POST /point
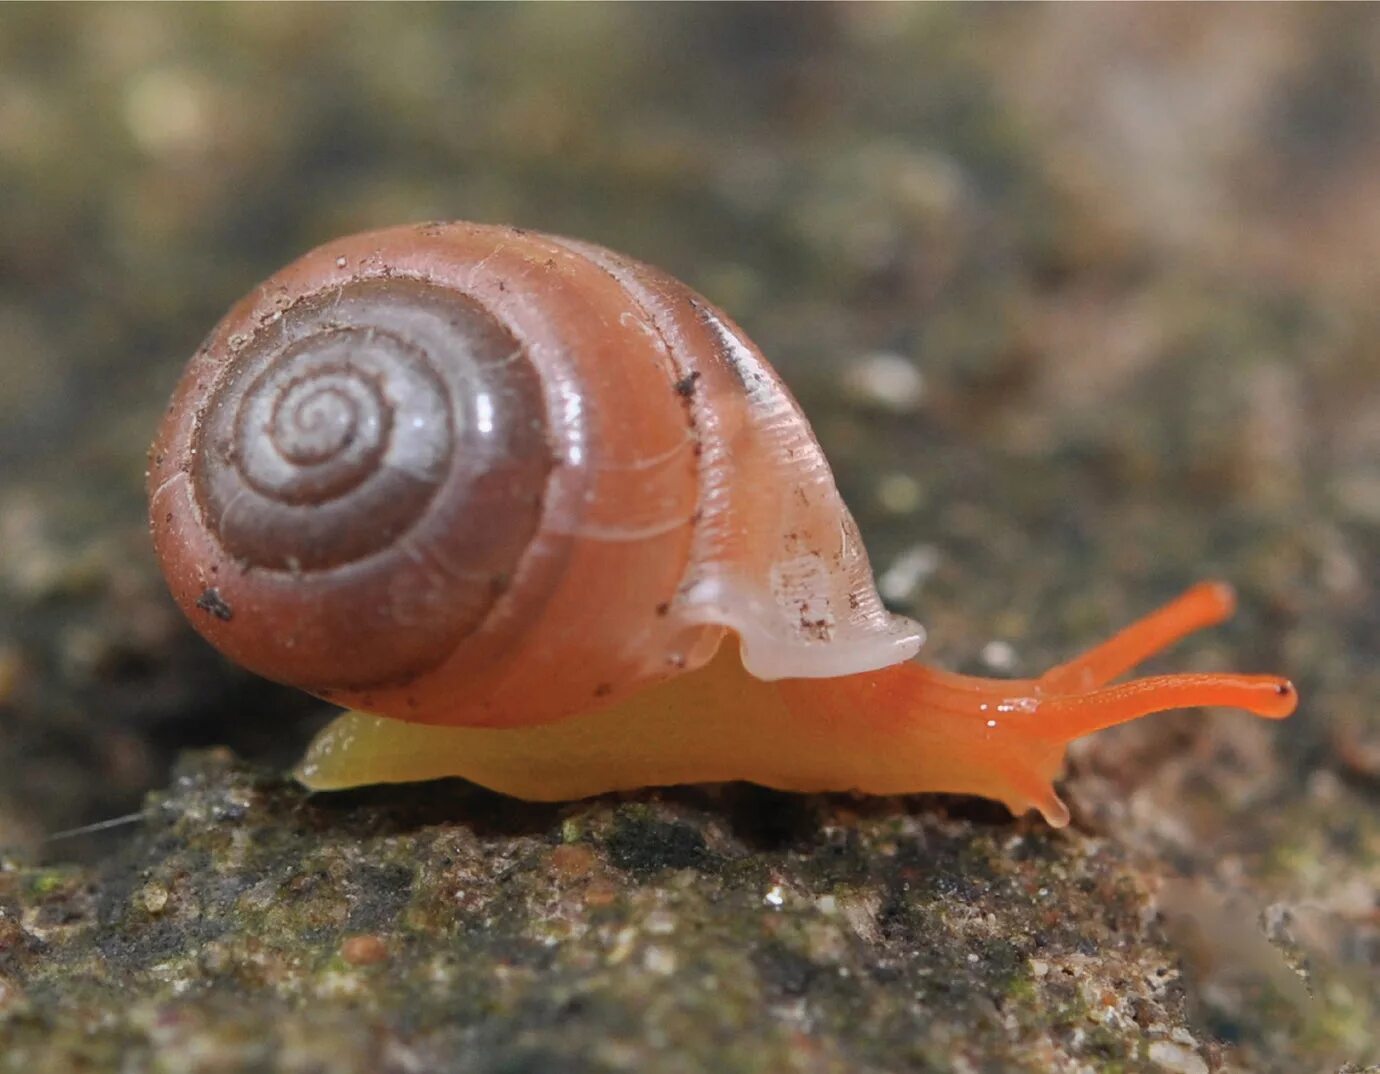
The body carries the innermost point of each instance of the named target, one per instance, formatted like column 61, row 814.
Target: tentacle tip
column 1269, row 696
column 1222, row 595
column 1282, row 701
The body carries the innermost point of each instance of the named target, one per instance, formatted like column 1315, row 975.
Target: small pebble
column 153, row 898
column 1177, row 1058
column 365, row 950
column 659, row 960
column 168, row 112
column 600, row 893
column 902, row 580
column 885, row 381
column 572, row 861
column 659, row 923
column 900, row 494
column 999, row 655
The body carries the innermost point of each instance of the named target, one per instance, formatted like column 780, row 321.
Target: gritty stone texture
column 447, row 928
column 1130, row 252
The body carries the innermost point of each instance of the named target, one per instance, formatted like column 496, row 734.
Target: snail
column 543, row 517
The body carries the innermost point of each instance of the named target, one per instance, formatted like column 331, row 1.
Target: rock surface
column 250, row 926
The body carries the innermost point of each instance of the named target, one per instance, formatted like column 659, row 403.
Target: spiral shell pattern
column 388, row 432
column 326, row 441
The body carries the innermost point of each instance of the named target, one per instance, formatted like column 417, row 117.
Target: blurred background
column 1081, row 301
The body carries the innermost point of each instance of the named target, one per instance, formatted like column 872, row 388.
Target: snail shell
column 474, row 475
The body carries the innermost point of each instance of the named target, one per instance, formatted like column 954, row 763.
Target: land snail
column 543, row 517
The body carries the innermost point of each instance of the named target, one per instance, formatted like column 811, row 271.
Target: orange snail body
column 508, row 495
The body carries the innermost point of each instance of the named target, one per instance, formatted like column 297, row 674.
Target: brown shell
column 467, row 474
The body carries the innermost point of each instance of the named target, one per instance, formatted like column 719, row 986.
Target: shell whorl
column 379, row 447
column 326, row 439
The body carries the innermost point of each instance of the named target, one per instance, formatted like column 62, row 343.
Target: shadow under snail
column 546, row 519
